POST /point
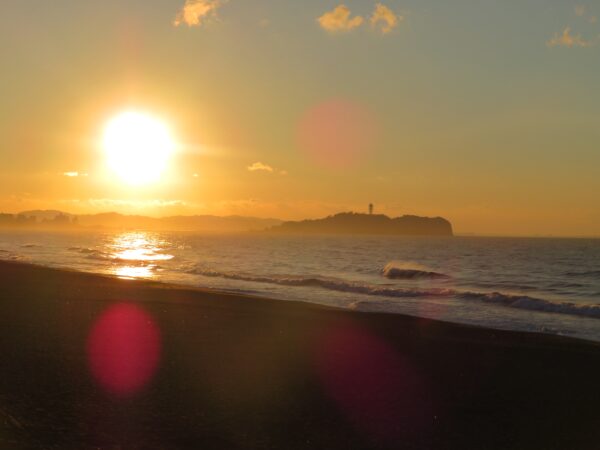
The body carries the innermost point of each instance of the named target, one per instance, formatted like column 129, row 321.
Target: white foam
column 508, row 300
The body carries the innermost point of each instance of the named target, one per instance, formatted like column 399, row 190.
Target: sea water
column 542, row 285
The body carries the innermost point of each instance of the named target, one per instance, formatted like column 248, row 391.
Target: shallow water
column 539, row 285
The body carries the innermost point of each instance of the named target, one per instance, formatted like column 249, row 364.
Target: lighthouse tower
column 370, row 208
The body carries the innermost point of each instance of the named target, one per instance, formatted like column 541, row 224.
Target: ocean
column 541, row 285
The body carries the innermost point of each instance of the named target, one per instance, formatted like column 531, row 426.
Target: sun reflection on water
column 134, row 272
column 135, row 254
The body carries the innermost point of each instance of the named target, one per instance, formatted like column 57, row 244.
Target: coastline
column 237, row 371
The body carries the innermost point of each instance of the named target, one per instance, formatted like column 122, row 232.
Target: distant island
column 356, row 223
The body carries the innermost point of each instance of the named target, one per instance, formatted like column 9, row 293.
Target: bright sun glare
column 137, row 147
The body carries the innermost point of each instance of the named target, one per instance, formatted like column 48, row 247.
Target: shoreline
column 224, row 370
column 238, row 293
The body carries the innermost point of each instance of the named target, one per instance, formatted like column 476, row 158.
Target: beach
column 93, row 361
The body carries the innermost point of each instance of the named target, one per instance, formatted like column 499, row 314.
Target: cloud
column 566, row 39
column 74, row 174
column 195, row 12
column 108, row 203
column 260, row 166
column 580, row 10
column 384, row 18
column 339, row 20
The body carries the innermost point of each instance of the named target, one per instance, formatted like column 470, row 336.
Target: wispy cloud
column 384, row 18
column 260, row 166
column 108, row 203
column 569, row 40
column 339, row 20
column 580, row 10
column 74, row 174
column 195, row 12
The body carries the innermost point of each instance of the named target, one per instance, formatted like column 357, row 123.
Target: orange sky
column 477, row 114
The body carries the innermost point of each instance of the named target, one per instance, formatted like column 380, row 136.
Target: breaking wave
column 91, row 253
column 508, row 300
column 535, row 304
column 409, row 271
column 10, row 256
column 333, row 284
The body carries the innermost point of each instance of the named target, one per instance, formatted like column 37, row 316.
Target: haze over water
column 537, row 285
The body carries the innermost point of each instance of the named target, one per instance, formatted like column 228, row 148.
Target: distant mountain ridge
column 205, row 223
column 44, row 214
column 356, row 223
column 111, row 220
column 341, row 223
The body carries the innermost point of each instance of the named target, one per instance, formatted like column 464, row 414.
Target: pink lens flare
column 124, row 349
column 337, row 133
column 378, row 389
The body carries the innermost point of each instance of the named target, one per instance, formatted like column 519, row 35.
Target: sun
column 138, row 147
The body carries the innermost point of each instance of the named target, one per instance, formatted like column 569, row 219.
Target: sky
column 486, row 113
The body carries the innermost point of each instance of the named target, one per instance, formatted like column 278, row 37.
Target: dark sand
column 242, row 372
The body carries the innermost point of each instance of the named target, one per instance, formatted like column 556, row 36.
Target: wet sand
column 89, row 361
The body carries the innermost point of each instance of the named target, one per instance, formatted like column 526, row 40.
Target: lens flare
column 377, row 388
column 337, row 133
column 124, row 349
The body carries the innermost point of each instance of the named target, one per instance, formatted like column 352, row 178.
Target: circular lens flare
column 378, row 388
column 124, row 349
column 337, row 133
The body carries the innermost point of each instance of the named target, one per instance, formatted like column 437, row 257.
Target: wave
column 409, row 271
column 91, row 253
column 585, row 273
column 535, row 304
column 10, row 256
column 565, row 284
column 511, row 301
column 82, row 249
column 31, row 245
column 333, row 284
column 97, row 254
column 499, row 284
column 508, row 300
